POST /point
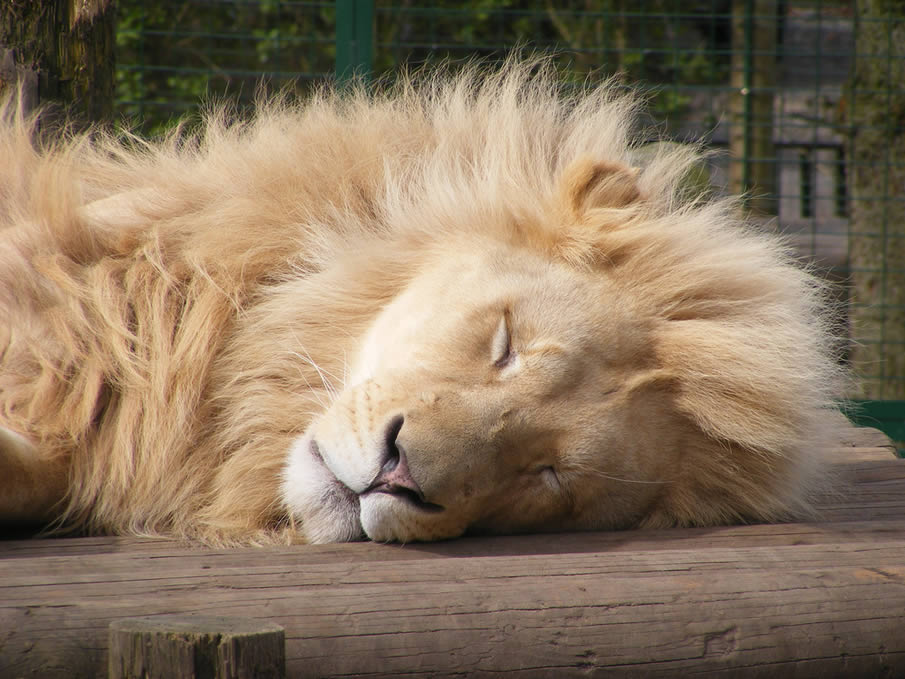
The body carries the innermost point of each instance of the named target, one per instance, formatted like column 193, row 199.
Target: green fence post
column 354, row 38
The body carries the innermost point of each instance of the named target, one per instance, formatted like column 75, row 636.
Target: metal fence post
column 354, row 38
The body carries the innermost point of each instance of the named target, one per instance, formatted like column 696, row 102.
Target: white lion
column 452, row 307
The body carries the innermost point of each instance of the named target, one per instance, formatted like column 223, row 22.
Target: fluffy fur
column 219, row 335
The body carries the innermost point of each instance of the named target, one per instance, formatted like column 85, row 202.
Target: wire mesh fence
column 173, row 54
column 804, row 99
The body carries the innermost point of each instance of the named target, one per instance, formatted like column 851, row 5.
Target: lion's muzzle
column 395, row 477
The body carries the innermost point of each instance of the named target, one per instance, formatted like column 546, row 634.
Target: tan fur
column 210, row 334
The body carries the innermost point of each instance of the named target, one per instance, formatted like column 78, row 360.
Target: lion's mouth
column 395, row 478
column 315, row 452
column 338, row 486
column 408, row 496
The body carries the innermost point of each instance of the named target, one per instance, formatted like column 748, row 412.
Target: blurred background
column 803, row 100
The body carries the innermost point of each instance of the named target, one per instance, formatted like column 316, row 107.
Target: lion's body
column 201, row 338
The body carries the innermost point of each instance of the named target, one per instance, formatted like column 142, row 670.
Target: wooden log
column 822, row 599
column 195, row 647
column 830, row 605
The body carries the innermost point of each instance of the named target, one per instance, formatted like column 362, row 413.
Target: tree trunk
column 68, row 46
column 752, row 168
column 876, row 118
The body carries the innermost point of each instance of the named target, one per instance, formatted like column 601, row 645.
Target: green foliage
column 175, row 53
column 667, row 45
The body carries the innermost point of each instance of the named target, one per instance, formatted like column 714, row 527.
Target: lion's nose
column 394, row 475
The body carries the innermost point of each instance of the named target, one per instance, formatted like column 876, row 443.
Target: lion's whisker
column 604, row 475
column 322, row 373
column 312, row 392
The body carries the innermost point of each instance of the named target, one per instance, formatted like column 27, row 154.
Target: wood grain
column 195, row 647
column 814, row 599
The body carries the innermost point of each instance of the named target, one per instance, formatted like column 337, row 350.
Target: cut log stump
column 196, row 647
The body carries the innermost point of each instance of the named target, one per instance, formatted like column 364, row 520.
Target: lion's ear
column 587, row 184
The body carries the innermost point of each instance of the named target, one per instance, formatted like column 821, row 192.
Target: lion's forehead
column 450, row 312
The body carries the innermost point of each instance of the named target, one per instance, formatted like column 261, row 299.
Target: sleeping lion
column 455, row 306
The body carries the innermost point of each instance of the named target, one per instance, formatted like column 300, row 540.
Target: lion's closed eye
column 501, row 353
column 549, row 477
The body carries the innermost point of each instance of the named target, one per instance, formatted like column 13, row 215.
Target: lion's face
column 496, row 393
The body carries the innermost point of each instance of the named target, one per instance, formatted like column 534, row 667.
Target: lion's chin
column 388, row 518
column 327, row 509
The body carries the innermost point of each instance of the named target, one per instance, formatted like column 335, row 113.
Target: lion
column 458, row 305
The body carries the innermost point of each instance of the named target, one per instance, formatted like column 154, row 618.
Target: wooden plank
column 865, row 437
column 546, row 609
column 869, row 485
column 800, row 599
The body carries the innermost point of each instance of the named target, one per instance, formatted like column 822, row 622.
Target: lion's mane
column 142, row 288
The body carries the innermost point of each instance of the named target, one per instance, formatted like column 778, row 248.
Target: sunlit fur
column 174, row 314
